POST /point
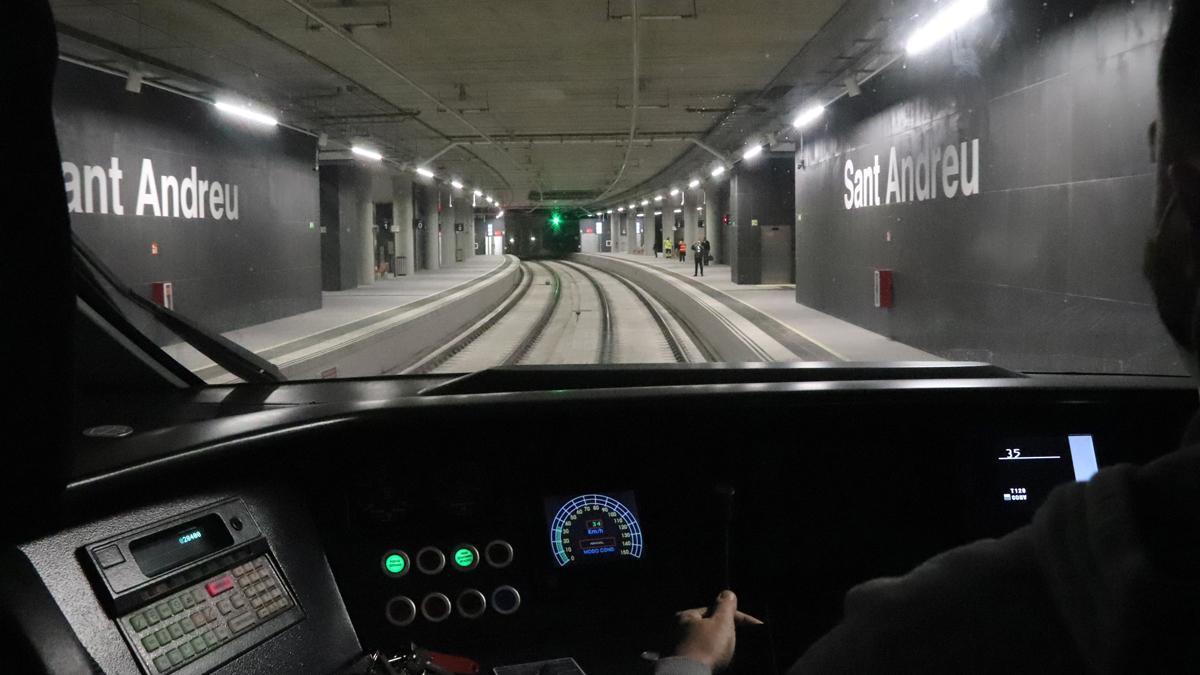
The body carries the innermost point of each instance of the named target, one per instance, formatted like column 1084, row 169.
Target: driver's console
column 545, row 532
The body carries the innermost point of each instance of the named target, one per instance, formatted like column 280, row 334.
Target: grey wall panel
column 1041, row 269
column 226, row 273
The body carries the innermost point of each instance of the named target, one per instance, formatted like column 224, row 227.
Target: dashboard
column 564, row 527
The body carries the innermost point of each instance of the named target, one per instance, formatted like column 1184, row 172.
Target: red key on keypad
column 219, row 586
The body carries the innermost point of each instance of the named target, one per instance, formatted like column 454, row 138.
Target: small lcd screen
column 179, row 545
column 1028, row 468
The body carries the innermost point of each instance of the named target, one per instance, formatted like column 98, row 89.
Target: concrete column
column 432, row 250
column 690, row 218
column 446, row 221
column 402, row 216
column 712, row 224
column 463, row 213
column 366, row 229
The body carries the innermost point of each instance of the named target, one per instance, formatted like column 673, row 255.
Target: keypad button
column 175, row 657
column 210, row 638
column 188, row 625
column 219, row 586
column 177, row 605
column 256, row 602
column 152, row 616
column 198, row 619
column 264, row 612
column 164, row 610
column 150, row 642
column 163, row 635
column 198, row 594
column 242, row 621
column 138, row 622
column 239, row 601
column 162, row 663
column 199, row 644
column 187, row 650
column 222, row 633
column 210, row 613
column 187, row 600
column 176, row 631
column 225, row 606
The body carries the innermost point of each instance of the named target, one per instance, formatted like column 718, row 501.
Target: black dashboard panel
column 791, row 492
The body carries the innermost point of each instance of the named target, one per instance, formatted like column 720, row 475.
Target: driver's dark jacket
column 1105, row 579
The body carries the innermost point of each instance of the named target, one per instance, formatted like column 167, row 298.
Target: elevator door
column 778, row 259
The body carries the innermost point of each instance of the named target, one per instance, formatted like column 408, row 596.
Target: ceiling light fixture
column 425, row 172
column 718, row 170
column 456, row 185
column 658, row 198
column 246, row 113
column 944, row 23
column 500, row 213
column 620, row 209
column 490, row 200
column 674, row 191
column 658, row 213
column 808, row 116
column 695, row 183
column 645, row 202
column 752, row 152
column 477, row 193
column 366, row 152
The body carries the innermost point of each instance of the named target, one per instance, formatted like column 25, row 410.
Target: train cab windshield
column 392, row 337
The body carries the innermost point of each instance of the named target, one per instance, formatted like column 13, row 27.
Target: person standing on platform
column 682, row 251
column 698, row 250
column 668, row 249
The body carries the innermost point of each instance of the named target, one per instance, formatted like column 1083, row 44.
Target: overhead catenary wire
column 633, row 108
column 346, row 37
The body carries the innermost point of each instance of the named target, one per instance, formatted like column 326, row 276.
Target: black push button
column 109, row 555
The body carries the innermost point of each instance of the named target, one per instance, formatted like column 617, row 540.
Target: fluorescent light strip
column 694, row 184
column 720, row 169
column 752, row 152
column 456, row 185
column 363, row 152
column 425, row 172
column 246, row 113
column 808, row 116
column 944, row 23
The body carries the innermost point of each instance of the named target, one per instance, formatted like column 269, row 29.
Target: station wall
column 242, row 253
column 1006, row 178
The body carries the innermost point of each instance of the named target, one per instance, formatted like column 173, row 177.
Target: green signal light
column 464, row 557
column 394, row 563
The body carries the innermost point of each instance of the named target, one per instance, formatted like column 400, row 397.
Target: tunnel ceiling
column 549, row 80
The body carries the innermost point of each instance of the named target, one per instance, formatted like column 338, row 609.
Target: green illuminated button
column 395, row 563
column 465, row 557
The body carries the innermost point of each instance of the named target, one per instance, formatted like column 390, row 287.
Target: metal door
column 776, row 251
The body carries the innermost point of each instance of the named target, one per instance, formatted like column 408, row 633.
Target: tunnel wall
column 226, row 272
column 1039, row 268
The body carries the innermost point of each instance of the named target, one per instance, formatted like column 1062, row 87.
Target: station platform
column 773, row 309
column 343, row 314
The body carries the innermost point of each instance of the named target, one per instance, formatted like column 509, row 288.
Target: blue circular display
column 594, row 527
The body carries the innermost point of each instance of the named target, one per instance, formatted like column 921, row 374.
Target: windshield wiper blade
column 224, row 352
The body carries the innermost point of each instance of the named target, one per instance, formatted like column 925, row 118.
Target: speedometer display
column 594, row 527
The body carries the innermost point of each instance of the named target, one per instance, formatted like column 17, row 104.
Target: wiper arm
column 224, row 352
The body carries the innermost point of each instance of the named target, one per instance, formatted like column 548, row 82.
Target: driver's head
column 1173, row 256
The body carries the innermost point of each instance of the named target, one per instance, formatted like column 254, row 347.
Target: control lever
column 725, row 495
column 418, row 661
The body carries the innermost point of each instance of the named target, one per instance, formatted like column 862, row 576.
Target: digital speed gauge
column 594, row 527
